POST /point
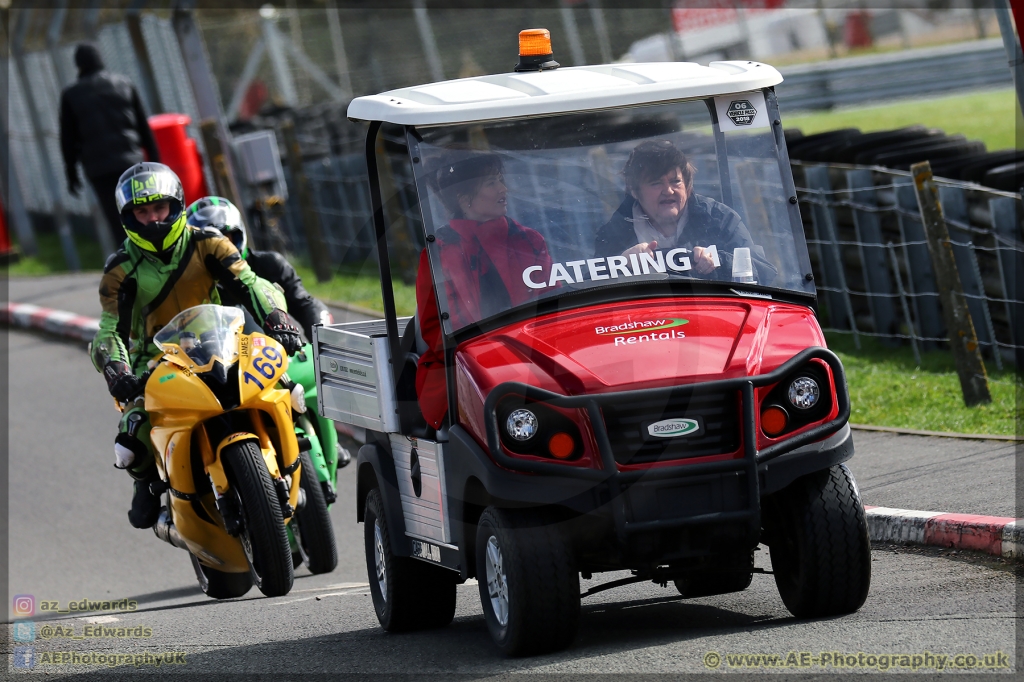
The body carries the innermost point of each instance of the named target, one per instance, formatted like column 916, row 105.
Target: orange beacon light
column 535, row 52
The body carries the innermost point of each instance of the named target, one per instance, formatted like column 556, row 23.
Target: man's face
column 152, row 213
column 663, row 199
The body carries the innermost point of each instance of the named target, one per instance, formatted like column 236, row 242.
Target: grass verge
column 358, row 287
column 990, row 116
column 887, row 388
column 50, row 257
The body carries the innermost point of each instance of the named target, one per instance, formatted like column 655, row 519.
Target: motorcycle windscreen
column 207, row 334
column 523, row 210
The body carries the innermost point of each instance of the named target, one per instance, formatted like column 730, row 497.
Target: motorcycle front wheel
column 263, row 534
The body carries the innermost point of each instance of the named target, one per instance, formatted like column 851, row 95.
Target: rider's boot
column 145, row 505
column 132, row 453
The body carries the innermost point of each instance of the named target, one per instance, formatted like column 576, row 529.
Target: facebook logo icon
column 24, row 631
column 24, row 657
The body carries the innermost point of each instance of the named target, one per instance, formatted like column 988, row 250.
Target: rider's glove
column 121, row 383
column 283, row 328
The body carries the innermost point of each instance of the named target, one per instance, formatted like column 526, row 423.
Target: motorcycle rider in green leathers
column 163, row 267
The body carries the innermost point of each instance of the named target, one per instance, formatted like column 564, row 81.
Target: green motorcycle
column 309, row 541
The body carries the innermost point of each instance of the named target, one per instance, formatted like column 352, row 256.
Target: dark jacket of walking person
column 103, row 125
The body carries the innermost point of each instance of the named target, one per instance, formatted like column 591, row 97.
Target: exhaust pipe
column 165, row 530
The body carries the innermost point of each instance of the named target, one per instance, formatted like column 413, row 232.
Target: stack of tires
column 951, row 156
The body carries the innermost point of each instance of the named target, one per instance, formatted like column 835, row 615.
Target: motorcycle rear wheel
column 314, row 532
column 218, row 584
column 263, row 534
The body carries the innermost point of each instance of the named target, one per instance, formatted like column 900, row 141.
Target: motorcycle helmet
column 147, row 183
column 220, row 213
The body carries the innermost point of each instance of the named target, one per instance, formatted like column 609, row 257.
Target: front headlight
column 522, row 425
column 804, row 393
column 298, row 399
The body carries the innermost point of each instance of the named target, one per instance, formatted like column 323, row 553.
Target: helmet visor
column 145, row 188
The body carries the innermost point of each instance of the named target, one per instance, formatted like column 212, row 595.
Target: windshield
column 518, row 211
column 204, row 332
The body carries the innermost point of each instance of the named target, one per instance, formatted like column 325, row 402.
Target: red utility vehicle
column 635, row 376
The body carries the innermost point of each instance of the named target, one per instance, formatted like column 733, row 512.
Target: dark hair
column 654, row 158
column 88, row 59
column 462, row 174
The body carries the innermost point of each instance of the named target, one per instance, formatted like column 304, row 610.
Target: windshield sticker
column 613, row 267
column 742, row 112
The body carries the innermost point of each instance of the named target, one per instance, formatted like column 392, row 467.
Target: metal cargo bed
column 354, row 383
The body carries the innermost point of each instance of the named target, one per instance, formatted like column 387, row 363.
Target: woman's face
column 488, row 203
column 663, row 199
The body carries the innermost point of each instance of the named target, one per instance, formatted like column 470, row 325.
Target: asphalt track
column 70, row 540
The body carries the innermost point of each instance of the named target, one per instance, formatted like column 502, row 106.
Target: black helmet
column 220, row 213
column 146, row 183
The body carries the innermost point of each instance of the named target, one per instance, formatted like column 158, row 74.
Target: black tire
column 311, row 525
column 408, row 594
column 820, row 549
column 218, row 584
column 263, row 534
column 529, row 585
column 732, row 576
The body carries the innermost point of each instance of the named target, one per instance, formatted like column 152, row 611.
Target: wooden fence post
column 962, row 338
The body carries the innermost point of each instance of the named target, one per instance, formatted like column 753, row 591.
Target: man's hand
column 74, row 184
column 702, row 261
column 642, row 247
column 121, row 383
column 283, row 328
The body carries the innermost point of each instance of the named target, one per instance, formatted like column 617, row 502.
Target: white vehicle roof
column 578, row 88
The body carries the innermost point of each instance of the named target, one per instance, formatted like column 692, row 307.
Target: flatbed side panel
column 425, row 510
column 353, row 378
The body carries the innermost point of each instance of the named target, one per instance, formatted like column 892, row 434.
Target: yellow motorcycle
column 230, row 461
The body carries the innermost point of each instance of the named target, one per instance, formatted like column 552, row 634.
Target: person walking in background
column 102, row 124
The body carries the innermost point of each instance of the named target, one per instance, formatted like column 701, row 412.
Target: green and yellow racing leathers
column 140, row 294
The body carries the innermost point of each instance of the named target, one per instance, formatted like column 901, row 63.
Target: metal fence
column 872, row 266
column 911, row 73
column 48, row 72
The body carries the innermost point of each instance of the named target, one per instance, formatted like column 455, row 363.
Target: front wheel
column 314, row 533
column 408, row 594
column 218, row 584
column 529, row 586
column 263, row 534
column 820, row 549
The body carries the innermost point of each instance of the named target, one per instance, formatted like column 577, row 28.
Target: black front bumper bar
column 617, row 480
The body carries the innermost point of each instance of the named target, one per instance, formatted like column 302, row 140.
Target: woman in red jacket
column 483, row 255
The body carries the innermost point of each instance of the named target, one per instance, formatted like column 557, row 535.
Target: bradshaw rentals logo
column 632, row 333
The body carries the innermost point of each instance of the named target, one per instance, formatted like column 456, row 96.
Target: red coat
column 464, row 246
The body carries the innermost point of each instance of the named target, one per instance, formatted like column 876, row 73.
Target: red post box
column 179, row 151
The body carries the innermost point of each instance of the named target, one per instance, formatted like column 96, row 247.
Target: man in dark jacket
column 102, row 124
column 661, row 212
